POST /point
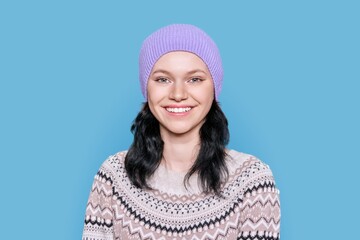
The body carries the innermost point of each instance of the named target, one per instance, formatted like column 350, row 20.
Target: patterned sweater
column 249, row 208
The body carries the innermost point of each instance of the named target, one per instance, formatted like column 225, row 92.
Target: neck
column 180, row 151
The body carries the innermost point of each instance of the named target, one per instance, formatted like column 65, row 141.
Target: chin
column 179, row 131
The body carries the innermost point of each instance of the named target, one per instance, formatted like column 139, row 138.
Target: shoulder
column 114, row 160
column 249, row 170
column 112, row 167
column 236, row 160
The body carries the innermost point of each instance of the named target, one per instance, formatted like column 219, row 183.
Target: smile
column 178, row 110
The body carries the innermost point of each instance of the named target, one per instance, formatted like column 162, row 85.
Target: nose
column 178, row 92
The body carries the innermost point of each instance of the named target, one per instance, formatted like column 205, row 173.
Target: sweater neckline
column 171, row 182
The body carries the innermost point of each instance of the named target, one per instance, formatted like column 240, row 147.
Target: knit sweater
column 248, row 209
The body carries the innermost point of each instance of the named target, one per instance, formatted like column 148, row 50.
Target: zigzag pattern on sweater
column 144, row 220
column 256, row 235
column 200, row 225
column 116, row 207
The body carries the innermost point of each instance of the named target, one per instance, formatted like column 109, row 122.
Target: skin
column 180, row 94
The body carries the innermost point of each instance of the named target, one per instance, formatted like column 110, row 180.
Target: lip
column 178, row 110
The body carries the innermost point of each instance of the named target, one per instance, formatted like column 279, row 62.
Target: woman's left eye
column 195, row 79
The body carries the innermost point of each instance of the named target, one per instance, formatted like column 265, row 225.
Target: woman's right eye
column 162, row 80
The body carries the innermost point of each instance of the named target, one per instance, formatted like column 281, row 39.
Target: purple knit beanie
column 180, row 37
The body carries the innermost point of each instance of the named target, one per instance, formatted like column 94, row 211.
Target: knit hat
column 180, row 37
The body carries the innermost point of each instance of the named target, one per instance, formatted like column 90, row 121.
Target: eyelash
column 191, row 80
column 197, row 79
column 162, row 80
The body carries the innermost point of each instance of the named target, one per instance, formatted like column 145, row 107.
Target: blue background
column 69, row 91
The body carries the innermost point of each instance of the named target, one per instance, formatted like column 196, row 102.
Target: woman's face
column 180, row 92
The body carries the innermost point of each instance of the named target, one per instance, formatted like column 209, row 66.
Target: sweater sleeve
column 260, row 208
column 99, row 214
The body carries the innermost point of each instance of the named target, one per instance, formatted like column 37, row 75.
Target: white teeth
column 178, row 110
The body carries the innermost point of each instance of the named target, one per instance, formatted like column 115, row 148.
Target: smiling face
column 180, row 93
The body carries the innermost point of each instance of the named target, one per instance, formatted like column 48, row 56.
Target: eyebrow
column 167, row 72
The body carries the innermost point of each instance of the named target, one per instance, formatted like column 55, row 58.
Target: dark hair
column 145, row 153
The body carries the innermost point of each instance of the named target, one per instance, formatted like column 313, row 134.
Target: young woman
column 178, row 180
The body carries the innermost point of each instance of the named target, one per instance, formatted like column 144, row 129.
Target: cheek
column 154, row 98
column 155, row 93
column 153, row 109
column 204, row 95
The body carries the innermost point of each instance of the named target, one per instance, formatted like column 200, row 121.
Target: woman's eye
column 162, row 80
column 195, row 79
